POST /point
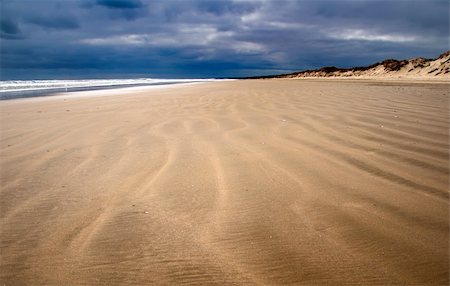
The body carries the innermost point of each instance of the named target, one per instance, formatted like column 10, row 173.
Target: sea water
column 10, row 89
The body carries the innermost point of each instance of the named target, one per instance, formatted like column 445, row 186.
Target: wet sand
column 245, row 182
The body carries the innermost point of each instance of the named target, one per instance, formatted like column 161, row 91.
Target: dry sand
column 245, row 182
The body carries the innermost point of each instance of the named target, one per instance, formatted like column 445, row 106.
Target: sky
column 50, row 39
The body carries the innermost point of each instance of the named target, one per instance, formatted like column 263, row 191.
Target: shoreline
column 121, row 90
column 103, row 92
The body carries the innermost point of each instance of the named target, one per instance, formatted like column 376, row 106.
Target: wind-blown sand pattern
column 246, row 182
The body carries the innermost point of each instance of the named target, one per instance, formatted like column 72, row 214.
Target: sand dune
column 245, row 182
column 437, row 69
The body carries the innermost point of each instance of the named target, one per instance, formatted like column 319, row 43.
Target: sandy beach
column 267, row 182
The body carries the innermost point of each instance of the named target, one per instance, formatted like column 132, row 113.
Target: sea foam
column 30, row 88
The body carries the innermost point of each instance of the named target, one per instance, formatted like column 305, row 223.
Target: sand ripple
column 247, row 182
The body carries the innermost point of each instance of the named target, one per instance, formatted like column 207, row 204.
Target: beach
column 266, row 182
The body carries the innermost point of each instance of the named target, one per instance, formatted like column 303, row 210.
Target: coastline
column 12, row 89
column 101, row 92
column 132, row 89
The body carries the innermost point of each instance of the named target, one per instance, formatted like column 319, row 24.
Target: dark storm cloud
column 120, row 4
column 128, row 10
column 222, row 7
column 9, row 30
column 421, row 15
column 9, row 27
column 54, row 22
column 180, row 38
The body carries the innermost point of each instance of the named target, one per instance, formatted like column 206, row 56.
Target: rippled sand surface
column 245, row 182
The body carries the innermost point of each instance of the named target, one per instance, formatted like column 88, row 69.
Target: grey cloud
column 54, row 22
column 412, row 15
column 9, row 30
column 11, row 36
column 129, row 10
column 207, row 38
column 219, row 8
column 9, row 27
column 120, row 4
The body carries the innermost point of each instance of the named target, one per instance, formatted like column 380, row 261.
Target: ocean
column 12, row 89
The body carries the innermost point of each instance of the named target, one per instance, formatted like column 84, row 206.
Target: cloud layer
column 221, row 38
